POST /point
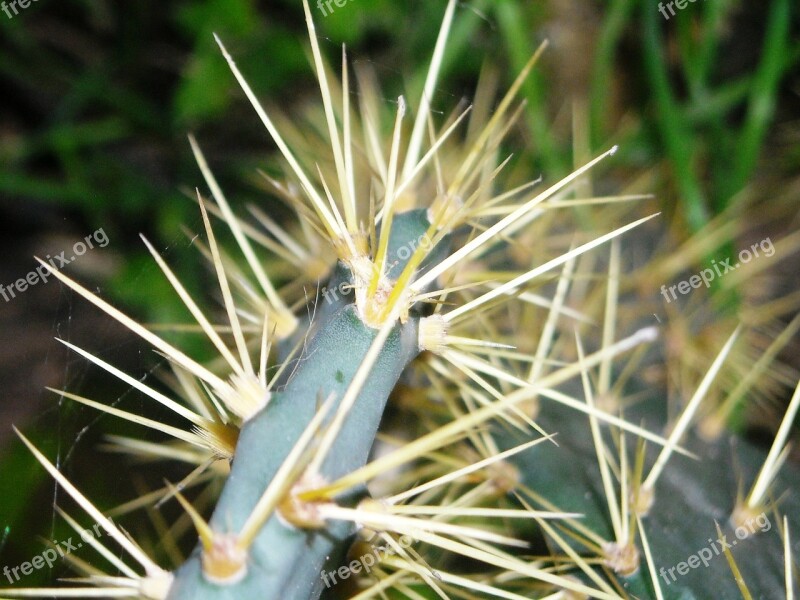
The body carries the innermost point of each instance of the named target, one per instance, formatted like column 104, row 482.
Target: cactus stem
column 351, row 394
column 282, row 490
column 297, row 470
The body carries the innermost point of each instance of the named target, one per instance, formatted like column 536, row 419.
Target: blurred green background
column 98, row 97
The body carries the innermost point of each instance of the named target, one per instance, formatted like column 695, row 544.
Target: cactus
column 499, row 479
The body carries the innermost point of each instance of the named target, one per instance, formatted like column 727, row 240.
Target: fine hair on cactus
column 441, row 394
